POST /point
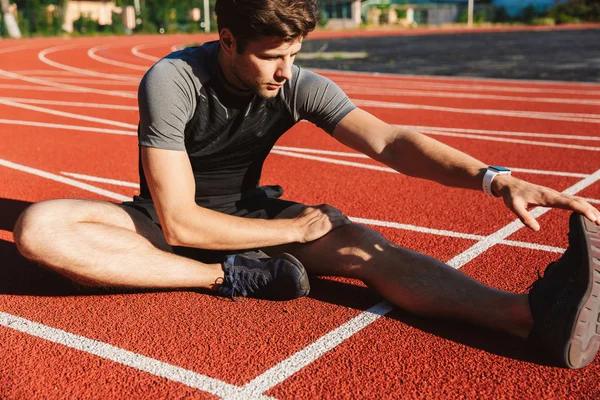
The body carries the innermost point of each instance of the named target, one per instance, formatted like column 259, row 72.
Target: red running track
column 68, row 117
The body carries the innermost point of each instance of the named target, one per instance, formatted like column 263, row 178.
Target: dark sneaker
column 256, row 275
column 565, row 303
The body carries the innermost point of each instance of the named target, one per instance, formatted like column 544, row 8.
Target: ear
column 227, row 41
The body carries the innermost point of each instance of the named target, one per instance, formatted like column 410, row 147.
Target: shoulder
column 193, row 66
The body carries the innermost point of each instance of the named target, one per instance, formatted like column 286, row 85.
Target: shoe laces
column 242, row 281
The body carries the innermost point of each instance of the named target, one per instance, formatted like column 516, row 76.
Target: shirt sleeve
column 166, row 102
column 321, row 101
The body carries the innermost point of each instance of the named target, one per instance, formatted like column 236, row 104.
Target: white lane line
column 300, row 152
column 135, row 50
column 101, row 180
column 70, row 127
column 287, row 368
column 430, row 78
column 514, row 226
column 449, row 87
column 365, row 221
column 593, row 201
column 333, row 161
column 324, row 152
column 312, row 352
column 42, row 56
column 49, row 72
column 92, row 81
column 66, row 181
column 92, row 54
column 71, row 103
column 505, row 113
column 460, row 95
column 67, row 114
column 46, row 82
column 104, row 350
column 120, row 356
column 16, row 48
column 37, row 88
column 515, row 141
column 532, row 246
column 501, row 133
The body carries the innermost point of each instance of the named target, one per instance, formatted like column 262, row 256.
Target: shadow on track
column 17, row 274
column 359, row 297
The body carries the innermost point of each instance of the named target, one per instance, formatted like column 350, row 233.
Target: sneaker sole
column 303, row 288
column 584, row 340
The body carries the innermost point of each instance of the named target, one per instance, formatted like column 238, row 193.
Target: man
column 208, row 118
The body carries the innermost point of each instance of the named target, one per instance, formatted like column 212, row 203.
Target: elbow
column 176, row 234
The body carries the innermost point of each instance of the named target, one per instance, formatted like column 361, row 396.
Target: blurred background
column 27, row 18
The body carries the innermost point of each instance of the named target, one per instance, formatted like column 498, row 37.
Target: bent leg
column 99, row 243
column 415, row 282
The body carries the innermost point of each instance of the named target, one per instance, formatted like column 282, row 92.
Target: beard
column 249, row 84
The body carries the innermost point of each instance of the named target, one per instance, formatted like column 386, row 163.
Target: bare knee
column 34, row 226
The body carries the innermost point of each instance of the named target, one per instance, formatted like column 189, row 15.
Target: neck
column 229, row 77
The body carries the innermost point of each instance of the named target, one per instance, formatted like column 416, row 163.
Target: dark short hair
column 250, row 19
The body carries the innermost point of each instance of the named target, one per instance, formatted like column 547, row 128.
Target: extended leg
column 412, row 281
column 102, row 244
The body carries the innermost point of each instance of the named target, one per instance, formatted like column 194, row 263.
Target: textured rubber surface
column 585, row 336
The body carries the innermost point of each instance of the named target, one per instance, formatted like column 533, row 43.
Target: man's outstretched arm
column 417, row 155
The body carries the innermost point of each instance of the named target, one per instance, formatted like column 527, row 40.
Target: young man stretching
column 208, row 118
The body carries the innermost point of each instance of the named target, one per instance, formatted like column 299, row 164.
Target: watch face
column 499, row 168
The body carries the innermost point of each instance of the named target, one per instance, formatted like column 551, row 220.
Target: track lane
column 52, row 371
column 409, row 357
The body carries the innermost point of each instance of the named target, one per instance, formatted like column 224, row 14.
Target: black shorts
column 262, row 202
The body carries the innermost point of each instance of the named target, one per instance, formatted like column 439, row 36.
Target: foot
column 565, row 303
column 256, row 275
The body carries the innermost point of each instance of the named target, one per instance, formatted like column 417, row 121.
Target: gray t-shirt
column 186, row 105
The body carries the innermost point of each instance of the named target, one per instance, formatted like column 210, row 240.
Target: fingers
column 525, row 217
column 574, row 203
column 317, row 221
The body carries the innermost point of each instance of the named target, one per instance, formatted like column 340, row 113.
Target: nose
column 284, row 71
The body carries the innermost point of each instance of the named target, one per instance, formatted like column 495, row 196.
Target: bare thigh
column 42, row 220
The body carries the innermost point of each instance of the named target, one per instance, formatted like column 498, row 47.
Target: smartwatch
column 489, row 176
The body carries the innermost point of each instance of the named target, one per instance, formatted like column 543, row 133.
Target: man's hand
column 518, row 195
column 315, row 222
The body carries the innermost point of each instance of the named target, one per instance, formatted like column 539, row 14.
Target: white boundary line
column 504, row 113
column 302, row 154
column 515, row 141
column 449, row 87
column 42, row 56
column 66, row 181
column 289, row 367
column 136, row 51
column 401, row 77
column 70, row 127
column 37, row 88
column 121, row 356
column 92, row 54
column 101, row 180
column 90, row 81
column 82, row 89
column 67, row 114
column 461, row 95
column 501, row 133
column 71, row 104
column 514, row 226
